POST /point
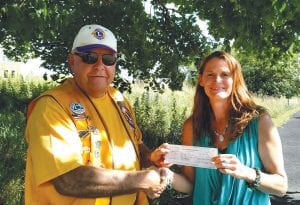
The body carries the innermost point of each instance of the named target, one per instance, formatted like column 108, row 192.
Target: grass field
column 281, row 109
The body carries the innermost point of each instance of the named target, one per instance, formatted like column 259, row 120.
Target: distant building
column 11, row 69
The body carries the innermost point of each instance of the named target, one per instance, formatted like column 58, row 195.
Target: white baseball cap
column 94, row 36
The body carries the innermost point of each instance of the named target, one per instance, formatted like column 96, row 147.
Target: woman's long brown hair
column 243, row 108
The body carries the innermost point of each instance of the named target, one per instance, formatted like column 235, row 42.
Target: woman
column 250, row 162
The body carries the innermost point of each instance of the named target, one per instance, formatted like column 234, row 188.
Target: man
column 84, row 146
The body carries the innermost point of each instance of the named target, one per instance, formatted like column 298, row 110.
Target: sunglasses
column 92, row 58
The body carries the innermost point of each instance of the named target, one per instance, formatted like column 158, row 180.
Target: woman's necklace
column 221, row 137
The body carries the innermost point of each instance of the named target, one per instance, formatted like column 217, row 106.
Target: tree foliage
column 153, row 46
column 282, row 79
column 260, row 27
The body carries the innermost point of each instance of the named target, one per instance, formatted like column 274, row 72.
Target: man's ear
column 70, row 59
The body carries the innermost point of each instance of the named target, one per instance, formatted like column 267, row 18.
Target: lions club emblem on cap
column 77, row 108
column 99, row 34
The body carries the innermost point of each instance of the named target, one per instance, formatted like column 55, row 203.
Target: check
column 191, row 156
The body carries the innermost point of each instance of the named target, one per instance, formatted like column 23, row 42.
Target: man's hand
column 157, row 182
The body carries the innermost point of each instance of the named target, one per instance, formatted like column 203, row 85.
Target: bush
column 12, row 156
column 15, row 95
column 159, row 120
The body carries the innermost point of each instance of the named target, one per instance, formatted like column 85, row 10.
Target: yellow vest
column 97, row 145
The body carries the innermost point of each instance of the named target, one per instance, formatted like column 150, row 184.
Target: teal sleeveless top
column 214, row 188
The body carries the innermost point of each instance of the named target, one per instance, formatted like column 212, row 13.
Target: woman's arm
column 187, row 139
column 274, row 181
column 178, row 181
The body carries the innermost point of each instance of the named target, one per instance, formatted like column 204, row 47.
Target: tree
column 266, row 28
column 280, row 79
column 154, row 46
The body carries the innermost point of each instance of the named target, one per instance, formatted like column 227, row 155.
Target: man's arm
column 91, row 182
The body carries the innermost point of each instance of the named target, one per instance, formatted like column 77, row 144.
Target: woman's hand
column 230, row 164
column 158, row 156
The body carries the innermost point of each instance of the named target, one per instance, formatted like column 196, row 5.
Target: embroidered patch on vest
column 126, row 114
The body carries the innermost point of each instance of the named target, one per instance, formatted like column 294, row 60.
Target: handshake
column 159, row 177
column 156, row 181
